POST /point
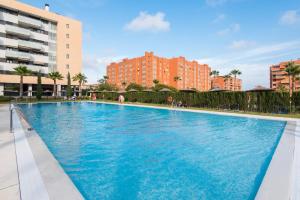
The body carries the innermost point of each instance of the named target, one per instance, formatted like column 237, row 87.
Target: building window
column 67, row 25
column 67, row 66
column 68, row 35
column 67, row 46
column 67, row 56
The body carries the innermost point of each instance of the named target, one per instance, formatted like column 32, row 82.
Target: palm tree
column 155, row 81
column 235, row 73
column 123, row 84
column 214, row 73
column 81, row 78
column 105, row 78
column 55, row 76
column 22, row 71
column 226, row 77
column 293, row 71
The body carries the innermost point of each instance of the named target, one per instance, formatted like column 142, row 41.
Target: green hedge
column 5, row 99
column 267, row 102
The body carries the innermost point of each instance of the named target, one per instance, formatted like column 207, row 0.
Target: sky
column 249, row 35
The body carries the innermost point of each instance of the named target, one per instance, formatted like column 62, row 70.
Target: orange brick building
column 278, row 76
column 223, row 83
column 143, row 70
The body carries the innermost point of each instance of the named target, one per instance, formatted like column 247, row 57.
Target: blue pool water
column 125, row 152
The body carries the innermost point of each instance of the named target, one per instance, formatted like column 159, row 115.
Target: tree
column 81, row 78
column 69, row 88
column 155, row 81
column 281, row 88
column 235, row 73
column 103, row 80
column 107, row 86
column 134, row 86
column 293, row 71
column 123, row 84
column 55, row 76
column 227, row 76
column 214, row 73
column 22, row 71
column 158, row 87
column 39, row 90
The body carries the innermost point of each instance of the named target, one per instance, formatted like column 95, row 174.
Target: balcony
column 10, row 67
column 30, row 45
column 27, row 21
column 17, row 55
column 17, row 31
column 40, row 59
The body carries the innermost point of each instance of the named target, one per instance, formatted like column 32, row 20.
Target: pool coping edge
column 56, row 182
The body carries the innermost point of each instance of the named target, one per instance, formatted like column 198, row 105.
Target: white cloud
column 290, row 17
column 215, row 2
column 233, row 28
column 241, row 44
column 95, row 67
column 254, row 62
column 148, row 22
column 219, row 18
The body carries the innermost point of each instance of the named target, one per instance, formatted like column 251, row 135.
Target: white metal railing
column 29, row 21
column 35, row 68
column 17, row 30
column 18, row 55
column 31, row 45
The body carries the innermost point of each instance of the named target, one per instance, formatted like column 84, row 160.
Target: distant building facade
column 176, row 72
column 232, row 84
column 279, row 77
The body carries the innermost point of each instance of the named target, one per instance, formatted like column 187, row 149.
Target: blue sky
column 226, row 34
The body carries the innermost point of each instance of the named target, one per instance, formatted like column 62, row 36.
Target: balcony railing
column 17, row 30
column 29, row 21
column 30, row 45
column 18, row 55
column 11, row 66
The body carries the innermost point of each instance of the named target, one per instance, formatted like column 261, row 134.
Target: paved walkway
column 9, row 182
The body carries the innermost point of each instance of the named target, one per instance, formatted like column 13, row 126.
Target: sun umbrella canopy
column 132, row 90
column 147, row 90
column 260, row 88
column 165, row 90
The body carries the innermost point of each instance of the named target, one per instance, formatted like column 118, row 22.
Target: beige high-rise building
column 39, row 39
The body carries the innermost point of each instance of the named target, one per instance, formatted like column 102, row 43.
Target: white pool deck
column 29, row 171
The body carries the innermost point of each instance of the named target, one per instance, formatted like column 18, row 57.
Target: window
column 67, row 56
column 68, row 35
column 52, row 36
column 67, row 25
column 67, row 46
column 67, row 66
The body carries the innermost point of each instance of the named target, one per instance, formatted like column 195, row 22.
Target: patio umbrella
column 165, row 90
column 260, row 88
column 217, row 89
column 132, row 90
column 148, row 90
column 47, row 91
column 188, row 90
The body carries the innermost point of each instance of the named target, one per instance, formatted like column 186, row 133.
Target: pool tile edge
column 57, row 184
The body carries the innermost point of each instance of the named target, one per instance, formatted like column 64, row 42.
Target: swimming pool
column 126, row 152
